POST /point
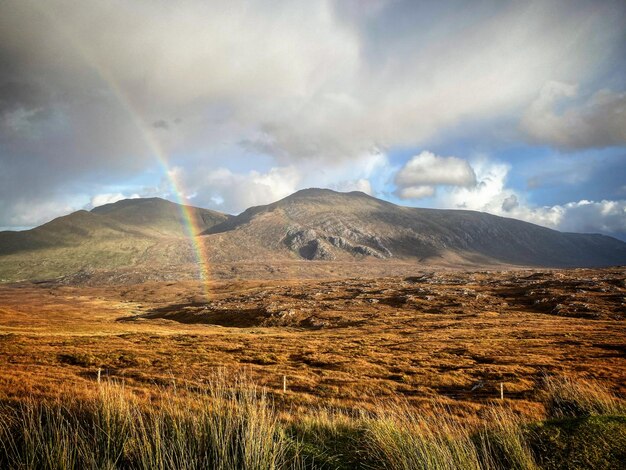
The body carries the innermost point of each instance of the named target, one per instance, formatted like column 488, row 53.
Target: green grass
column 591, row 442
column 234, row 425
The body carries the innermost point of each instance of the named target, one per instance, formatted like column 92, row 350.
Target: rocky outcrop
column 313, row 245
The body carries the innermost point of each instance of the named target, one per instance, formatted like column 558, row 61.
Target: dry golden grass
column 346, row 343
column 233, row 424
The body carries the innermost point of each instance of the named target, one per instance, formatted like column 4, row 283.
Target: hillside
column 320, row 224
column 158, row 216
column 150, row 233
column 148, row 239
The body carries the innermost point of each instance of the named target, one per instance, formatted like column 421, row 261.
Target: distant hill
column 159, row 216
column 320, row 224
column 148, row 232
column 150, row 235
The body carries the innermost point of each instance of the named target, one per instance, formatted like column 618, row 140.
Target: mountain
column 151, row 232
column 159, row 216
column 320, row 224
column 151, row 236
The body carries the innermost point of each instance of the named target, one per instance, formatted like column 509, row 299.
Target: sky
column 513, row 108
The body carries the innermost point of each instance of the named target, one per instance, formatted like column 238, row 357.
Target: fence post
column 284, row 384
column 99, row 371
column 501, row 391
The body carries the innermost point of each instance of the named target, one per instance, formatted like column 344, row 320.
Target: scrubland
column 397, row 372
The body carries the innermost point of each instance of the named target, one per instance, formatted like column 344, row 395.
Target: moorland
column 325, row 356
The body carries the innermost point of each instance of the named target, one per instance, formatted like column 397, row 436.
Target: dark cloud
column 598, row 122
column 510, row 203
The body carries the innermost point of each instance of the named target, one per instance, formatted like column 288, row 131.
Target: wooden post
column 501, row 391
column 284, row 384
column 99, row 371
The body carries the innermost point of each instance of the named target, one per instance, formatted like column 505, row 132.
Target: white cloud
column 492, row 195
column 232, row 192
column 416, row 192
column 430, row 169
column 109, row 198
column 25, row 214
column 423, row 172
column 487, row 194
column 360, row 184
column 584, row 216
column 600, row 121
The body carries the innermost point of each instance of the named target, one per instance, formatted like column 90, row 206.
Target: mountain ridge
column 321, row 223
column 315, row 224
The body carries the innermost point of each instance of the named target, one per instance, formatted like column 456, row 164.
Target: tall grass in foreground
column 402, row 439
column 233, row 425
column 569, row 397
column 228, row 427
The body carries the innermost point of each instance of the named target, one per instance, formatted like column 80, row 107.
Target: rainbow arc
column 192, row 228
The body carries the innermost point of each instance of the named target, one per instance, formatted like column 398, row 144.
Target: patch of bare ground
column 345, row 342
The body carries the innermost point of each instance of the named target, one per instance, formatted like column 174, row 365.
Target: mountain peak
column 317, row 223
column 123, row 203
column 323, row 192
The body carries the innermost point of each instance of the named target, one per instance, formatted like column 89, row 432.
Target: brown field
column 344, row 343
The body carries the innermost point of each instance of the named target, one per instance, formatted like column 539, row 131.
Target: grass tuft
column 233, row 424
column 566, row 396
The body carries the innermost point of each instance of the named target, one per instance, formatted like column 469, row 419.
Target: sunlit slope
column 150, row 233
column 159, row 216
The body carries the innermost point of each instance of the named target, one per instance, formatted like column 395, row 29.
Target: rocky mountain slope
column 320, row 224
column 151, row 236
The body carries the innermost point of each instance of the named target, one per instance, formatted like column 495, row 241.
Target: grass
column 413, row 342
column 233, row 424
column 586, row 426
column 226, row 427
column 398, row 378
column 568, row 397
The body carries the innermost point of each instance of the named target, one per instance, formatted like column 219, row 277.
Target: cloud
column 510, row 203
column 599, row 121
column 361, row 184
column 415, row 192
column 109, row 198
column 420, row 175
column 489, row 192
column 590, row 216
column 231, row 192
column 24, row 214
column 88, row 89
column 492, row 195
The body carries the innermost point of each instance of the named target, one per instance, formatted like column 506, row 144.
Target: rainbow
column 192, row 228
